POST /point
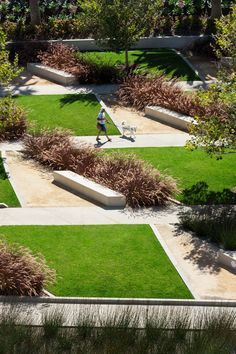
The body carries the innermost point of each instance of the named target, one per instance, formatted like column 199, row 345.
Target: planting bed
column 77, row 112
column 103, row 261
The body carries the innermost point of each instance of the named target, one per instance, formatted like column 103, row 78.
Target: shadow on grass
column 199, row 193
column 85, row 99
column 167, row 63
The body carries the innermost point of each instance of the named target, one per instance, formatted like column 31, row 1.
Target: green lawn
column 103, row 260
column 77, row 112
column 190, row 167
column 154, row 61
column 7, row 194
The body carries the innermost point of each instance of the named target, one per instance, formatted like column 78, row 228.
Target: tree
column 119, row 24
column 8, row 70
column 35, row 12
column 216, row 9
column 216, row 132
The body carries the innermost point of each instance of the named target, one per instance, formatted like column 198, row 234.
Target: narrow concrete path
column 54, row 89
column 94, row 215
column 145, row 140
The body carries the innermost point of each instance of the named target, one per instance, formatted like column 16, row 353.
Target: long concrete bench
column 227, row 259
column 57, row 76
column 169, row 117
column 89, row 189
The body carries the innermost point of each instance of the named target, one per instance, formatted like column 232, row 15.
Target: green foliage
column 215, row 130
column 12, row 119
column 120, row 23
column 8, row 70
column 200, row 194
column 226, row 35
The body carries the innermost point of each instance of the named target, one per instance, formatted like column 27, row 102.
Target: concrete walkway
column 146, row 140
column 88, row 216
column 54, row 89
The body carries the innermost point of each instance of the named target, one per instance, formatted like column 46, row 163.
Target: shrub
column 27, row 52
column 21, row 273
column 12, row 120
column 216, row 224
column 139, row 182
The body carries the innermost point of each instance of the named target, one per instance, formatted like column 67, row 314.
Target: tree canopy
column 120, row 23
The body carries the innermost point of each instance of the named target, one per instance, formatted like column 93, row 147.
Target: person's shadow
column 99, row 144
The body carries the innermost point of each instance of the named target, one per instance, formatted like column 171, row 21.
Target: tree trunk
column 127, row 59
column 216, row 9
column 35, row 12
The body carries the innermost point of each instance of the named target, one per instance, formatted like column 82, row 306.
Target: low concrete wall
column 169, row 117
column 177, row 42
column 227, row 259
column 57, row 76
column 89, row 189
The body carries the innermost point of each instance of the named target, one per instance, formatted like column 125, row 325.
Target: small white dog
column 131, row 129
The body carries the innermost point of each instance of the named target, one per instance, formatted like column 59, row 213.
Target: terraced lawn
column 152, row 61
column 103, row 260
column 190, row 167
column 77, row 112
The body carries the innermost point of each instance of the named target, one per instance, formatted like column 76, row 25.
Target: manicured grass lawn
column 154, row 61
column 190, row 167
column 77, row 112
column 103, row 260
column 7, row 194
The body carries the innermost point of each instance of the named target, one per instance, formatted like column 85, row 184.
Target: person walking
column 101, row 124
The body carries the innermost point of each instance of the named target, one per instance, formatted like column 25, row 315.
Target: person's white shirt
column 101, row 117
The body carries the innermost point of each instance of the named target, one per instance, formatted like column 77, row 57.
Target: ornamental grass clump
column 21, row 272
column 13, row 122
column 142, row 184
column 137, row 180
column 141, row 91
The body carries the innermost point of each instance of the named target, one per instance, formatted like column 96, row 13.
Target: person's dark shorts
column 102, row 127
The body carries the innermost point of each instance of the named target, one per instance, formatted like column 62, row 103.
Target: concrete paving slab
column 87, row 216
column 197, row 259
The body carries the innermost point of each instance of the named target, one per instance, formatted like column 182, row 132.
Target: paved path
column 87, row 216
column 146, row 140
column 54, row 89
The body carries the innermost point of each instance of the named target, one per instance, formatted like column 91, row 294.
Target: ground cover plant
column 138, row 181
column 7, row 194
column 77, row 112
column 216, row 225
column 21, row 273
column 163, row 332
column 190, row 168
column 103, row 260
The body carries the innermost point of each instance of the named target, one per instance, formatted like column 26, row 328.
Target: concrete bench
column 89, row 189
column 227, row 259
column 168, row 117
column 57, row 76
